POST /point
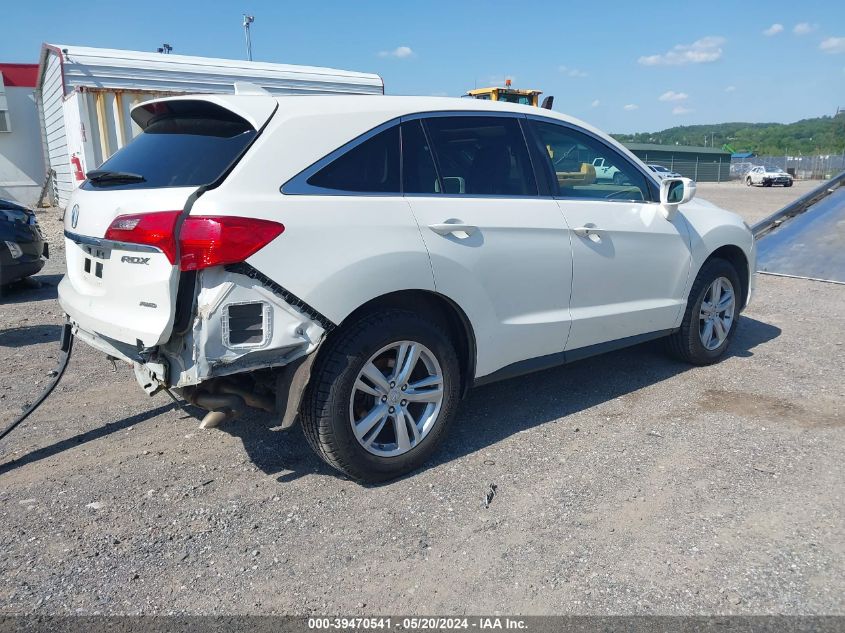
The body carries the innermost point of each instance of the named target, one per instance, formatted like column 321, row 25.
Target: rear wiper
column 104, row 175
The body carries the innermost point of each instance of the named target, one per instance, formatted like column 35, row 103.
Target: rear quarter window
column 180, row 148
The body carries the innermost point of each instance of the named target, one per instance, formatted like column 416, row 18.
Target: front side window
column 369, row 167
column 481, row 155
column 584, row 167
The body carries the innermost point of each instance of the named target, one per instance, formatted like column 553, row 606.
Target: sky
column 622, row 66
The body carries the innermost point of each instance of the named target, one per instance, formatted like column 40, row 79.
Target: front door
column 630, row 264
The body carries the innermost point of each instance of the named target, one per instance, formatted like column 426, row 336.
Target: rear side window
column 179, row 147
column 370, row 167
column 481, row 155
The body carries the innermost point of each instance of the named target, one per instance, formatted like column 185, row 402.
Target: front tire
column 381, row 396
column 711, row 315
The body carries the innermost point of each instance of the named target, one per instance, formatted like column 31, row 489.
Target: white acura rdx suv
column 358, row 263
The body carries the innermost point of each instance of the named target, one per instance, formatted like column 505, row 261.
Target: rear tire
column 341, row 396
column 688, row 343
column 748, row 181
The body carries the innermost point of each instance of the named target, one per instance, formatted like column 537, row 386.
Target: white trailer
column 85, row 96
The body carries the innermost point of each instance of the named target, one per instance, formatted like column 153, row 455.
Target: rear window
column 179, row 149
column 371, row 167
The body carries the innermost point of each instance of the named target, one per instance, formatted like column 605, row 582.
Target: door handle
column 587, row 231
column 455, row 227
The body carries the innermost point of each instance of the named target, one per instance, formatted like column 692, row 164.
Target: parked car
column 398, row 251
column 23, row 250
column 663, row 172
column 767, row 176
column 605, row 170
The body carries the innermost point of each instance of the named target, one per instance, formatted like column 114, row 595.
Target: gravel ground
column 752, row 203
column 626, row 483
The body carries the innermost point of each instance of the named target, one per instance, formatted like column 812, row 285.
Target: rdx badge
column 135, row 260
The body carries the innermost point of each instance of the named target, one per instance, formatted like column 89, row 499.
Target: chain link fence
column 821, row 167
column 699, row 169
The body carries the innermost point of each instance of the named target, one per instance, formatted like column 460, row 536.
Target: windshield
column 658, row 168
column 512, row 97
column 175, row 151
column 776, row 170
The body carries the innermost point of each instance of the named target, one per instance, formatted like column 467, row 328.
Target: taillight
column 152, row 229
column 203, row 240
column 215, row 240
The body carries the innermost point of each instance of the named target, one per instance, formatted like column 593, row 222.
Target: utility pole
column 248, row 19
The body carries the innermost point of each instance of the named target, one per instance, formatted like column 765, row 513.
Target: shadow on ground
column 30, row 335
column 37, row 288
column 488, row 415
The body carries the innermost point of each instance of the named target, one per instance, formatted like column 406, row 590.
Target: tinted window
column 481, row 155
column 584, row 167
column 179, row 151
column 418, row 172
column 372, row 166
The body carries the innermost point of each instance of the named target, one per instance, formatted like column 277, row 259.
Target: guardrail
column 766, row 225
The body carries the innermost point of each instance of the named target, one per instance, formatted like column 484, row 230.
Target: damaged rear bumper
column 240, row 324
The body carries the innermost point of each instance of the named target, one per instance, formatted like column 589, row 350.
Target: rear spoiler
column 256, row 109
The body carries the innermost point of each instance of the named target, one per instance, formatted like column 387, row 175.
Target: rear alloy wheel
column 396, row 398
column 382, row 393
column 711, row 315
column 748, row 181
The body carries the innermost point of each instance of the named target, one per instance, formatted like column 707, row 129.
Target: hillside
column 823, row 135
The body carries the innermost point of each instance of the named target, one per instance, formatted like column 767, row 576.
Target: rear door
column 498, row 249
column 115, row 286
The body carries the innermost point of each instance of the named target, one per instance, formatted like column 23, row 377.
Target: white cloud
column 671, row 95
column 730, row 88
column 631, row 106
column 774, row 29
column 596, row 103
column 400, row 52
column 681, row 110
column 707, row 49
column 833, row 45
column 572, row 72
column 803, row 28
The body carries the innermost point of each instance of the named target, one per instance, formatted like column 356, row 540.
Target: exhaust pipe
column 250, row 399
column 221, row 407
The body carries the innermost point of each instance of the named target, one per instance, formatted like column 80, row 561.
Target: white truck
column 607, row 171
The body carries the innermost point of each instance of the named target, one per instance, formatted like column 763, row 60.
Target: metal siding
column 52, row 97
column 134, row 71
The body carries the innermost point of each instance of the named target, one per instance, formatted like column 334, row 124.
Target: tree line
column 822, row 135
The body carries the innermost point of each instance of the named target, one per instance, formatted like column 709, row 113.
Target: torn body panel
column 239, row 325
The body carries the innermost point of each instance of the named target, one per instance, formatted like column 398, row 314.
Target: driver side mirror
column 674, row 192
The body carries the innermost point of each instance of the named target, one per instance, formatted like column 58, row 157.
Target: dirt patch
column 773, row 409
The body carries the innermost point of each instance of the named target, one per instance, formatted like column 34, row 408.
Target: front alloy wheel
column 717, row 313
column 711, row 314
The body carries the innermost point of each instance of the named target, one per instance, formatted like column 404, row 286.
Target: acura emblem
column 74, row 216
